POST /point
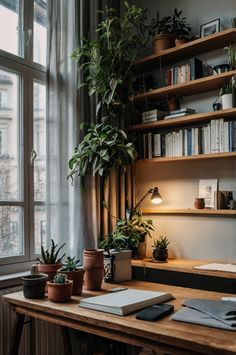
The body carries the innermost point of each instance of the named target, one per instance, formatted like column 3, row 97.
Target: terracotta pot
column 49, row 269
column 60, row 292
column 93, row 263
column 163, row 41
column 34, row 285
column 173, row 104
column 179, row 41
column 160, row 255
column 199, row 203
column 140, row 252
column 77, row 277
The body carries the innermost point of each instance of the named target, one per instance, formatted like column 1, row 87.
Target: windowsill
column 12, row 279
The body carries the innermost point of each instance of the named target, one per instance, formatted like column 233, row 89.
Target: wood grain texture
column 187, row 50
column 186, row 120
column 183, row 265
column 189, row 211
column 180, row 338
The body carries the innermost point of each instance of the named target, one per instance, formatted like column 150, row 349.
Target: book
column 180, row 114
column 124, row 302
column 184, row 109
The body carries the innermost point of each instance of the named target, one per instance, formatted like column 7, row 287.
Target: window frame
column 29, row 72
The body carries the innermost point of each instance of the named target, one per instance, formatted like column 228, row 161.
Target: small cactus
column 161, row 243
column 60, row 279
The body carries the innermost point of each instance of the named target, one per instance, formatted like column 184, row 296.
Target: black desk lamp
column 155, row 198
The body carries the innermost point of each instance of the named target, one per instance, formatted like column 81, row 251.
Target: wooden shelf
column 190, row 49
column 185, row 120
column 205, row 84
column 183, row 265
column 186, row 158
column 188, row 211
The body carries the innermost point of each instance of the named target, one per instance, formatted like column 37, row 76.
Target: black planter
column 34, row 285
column 160, row 254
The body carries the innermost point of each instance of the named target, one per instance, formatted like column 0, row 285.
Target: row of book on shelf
column 179, row 74
column 218, row 136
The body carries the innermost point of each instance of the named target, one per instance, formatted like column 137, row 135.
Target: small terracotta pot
column 49, row 269
column 60, row 292
column 173, row 104
column 199, row 203
column 93, row 263
column 77, row 277
column 179, row 41
column 160, row 254
column 34, row 285
column 163, row 41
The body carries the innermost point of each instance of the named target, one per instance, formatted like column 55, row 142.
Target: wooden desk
column 164, row 336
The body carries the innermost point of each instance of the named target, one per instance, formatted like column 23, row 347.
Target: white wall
column 192, row 237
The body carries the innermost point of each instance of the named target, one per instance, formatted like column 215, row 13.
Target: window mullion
column 28, row 29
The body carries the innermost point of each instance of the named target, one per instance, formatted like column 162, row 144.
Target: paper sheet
column 217, row 267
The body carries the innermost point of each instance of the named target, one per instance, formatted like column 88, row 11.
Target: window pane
column 10, row 26
column 39, row 227
column 11, row 231
column 10, row 151
column 40, row 31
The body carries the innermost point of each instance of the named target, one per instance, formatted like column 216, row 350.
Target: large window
column 22, row 130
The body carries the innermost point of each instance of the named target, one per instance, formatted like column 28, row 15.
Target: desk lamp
column 155, row 198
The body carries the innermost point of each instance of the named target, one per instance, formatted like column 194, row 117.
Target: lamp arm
column 139, row 203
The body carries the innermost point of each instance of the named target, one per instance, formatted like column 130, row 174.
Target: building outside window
column 22, row 130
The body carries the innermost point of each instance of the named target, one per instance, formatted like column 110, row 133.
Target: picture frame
column 210, row 28
column 207, row 190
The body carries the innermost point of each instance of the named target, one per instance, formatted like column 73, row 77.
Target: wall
column 192, row 237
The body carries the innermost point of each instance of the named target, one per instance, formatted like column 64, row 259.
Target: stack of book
column 179, row 113
column 153, row 115
column 179, row 74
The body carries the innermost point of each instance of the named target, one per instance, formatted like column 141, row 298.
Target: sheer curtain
column 73, row 216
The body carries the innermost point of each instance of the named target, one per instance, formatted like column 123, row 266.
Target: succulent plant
column 70, row 264
column 60, row 279
column 50, row 255
column 161, row 243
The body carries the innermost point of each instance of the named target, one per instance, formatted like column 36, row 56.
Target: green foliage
column 128, row 233
column 60, row 279
column 180, row 27
column 160, row 25
column 103, row 147
column 231, row 50
column 51, row 255
column 106, row 62
column 228, row 88
column 70, row 264
column 161, row 243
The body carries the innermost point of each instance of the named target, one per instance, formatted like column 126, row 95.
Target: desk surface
column 164, row 335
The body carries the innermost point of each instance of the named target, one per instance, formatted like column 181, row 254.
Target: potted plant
column 226, row 93
column 160, row 252
column 180, row 27
column 50, row 261
column 60, row 289
column 73, row 272
column 231, row 50
column 34, row 285
column 160, row 30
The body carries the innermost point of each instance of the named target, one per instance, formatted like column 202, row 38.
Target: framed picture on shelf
column 210, row 28
column 207, row 190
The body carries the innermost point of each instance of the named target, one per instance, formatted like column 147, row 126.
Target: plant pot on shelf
column 77, row 277
column 163, row 41
column 160, row 255
column 49, row 269
column 140, row 252
column 118, row 266
column 34, row 285
column 173, row 103
column 93, row 262
column 60, row 292
column 180, row 41
column 227, row 101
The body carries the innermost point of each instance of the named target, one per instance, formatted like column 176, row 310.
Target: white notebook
column 124, row 302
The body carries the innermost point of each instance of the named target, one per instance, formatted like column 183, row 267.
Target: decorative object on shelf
column 207, row 189
column 160, row 252
column 34, row 285
column 224, row 200
column 221, row 68
column 231, row 50
column 60, row 289
column 93, row 262
column 226, row 93
column 217, row 106
column 210, row 28
column 180, row 28
column 50, row 261
column 74, row 272
column 160, row 30
column 173, row 103
column 117, row 265
column 199, row 203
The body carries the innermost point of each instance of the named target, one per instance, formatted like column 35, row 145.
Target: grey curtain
column 73, row 216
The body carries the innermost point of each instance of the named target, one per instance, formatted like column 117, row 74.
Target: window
column 22, row 130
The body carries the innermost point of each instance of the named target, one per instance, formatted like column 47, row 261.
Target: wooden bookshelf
column 187, row 50
column 189, row 211
column 183, row 265
column 192, row 87
column 186, row 158
column 185, row 120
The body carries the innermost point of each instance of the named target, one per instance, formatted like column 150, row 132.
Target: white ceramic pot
column 227, row 101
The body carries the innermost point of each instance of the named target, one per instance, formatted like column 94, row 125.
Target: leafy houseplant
column 231, row 50
column 60, row 289
column 73, row 272
column 226, row 93
column 160, row 30
column 160, row 252
column 50, row 261
column 180, row 27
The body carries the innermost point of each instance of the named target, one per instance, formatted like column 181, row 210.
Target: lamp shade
column 156, row 197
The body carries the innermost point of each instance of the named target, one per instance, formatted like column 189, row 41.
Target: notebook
column 125, row 302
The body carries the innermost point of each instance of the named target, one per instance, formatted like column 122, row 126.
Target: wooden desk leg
column 16, row 335
column 67, row 341
column 32, row 337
